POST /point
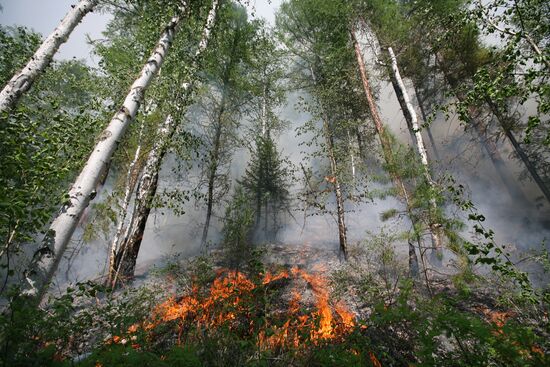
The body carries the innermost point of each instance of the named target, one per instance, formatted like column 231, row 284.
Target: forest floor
column 287, row 305
column 290, row 305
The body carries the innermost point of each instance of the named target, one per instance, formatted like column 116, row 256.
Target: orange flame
column 223, row 304
column 269, row 278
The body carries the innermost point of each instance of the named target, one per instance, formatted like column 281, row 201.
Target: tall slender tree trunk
column 215, row 152
column 386, row 149
column 22, row 81
column 360, row 144
column 428, row 129
column 506, row 126
column 340, row 212
column 342, row 230
column 47, row 258
column 213, row 169
column 125, row 261
column 265, row 123
column 131, row 180
column 127, row 253
column 351, row 156
column 488, row 144
column 414, row 129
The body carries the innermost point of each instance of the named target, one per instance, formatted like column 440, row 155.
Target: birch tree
column 42, row 147
column 415, row 130
column 123, row 258
column 22, row 81
column 46, row 259
column 334, row 177
column 388, row 156
column 508, row 76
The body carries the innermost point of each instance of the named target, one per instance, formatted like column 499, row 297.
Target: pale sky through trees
column 44, row 15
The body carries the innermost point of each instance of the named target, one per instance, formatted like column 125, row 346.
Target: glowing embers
column 240, row 305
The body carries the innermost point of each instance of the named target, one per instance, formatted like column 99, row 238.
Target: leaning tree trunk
column 127, row 252
column 414, row 129
column 47, row 258
column 22, row 81
column 388, row 155
column 131, row 181
column 340, row 212
column 488, row 144
column 125, row 260
column 506, row 126
column 421, row 101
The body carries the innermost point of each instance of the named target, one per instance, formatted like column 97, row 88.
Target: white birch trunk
column 46, row 259
column 147, row 187
column 387, row 152
column 23, row 80
column 130, row 184
column 421, row 149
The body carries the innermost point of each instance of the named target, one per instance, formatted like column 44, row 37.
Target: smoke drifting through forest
column 514, row 221
column 519, row 223
column 522, row 224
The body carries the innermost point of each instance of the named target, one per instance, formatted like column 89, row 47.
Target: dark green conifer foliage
column 266, row 181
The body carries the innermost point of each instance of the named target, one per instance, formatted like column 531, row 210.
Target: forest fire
column 315, row 326
column 234, row 301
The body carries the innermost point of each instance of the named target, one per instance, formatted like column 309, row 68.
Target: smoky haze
column 523, row 224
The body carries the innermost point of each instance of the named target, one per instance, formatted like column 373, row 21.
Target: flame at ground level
column 236, row 302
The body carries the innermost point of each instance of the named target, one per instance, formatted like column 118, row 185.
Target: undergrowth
column 397, row 326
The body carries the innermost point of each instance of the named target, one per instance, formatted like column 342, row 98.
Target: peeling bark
column 125, row 260
column 131, row 180
column 416, row 135
column 127, row 253
column 47, row 258
column 23, row 80
column 387, row 151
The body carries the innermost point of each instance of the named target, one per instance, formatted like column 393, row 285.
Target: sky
column 44, row 15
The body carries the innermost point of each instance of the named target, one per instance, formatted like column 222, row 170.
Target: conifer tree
column 266, row 180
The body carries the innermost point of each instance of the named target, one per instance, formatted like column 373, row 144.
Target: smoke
column 520, row 224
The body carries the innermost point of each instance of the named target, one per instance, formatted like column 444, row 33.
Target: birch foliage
column 22, row 81
column 43, row 144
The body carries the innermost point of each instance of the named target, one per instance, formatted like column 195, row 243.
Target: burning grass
column 245, row 307
column 283, row 317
